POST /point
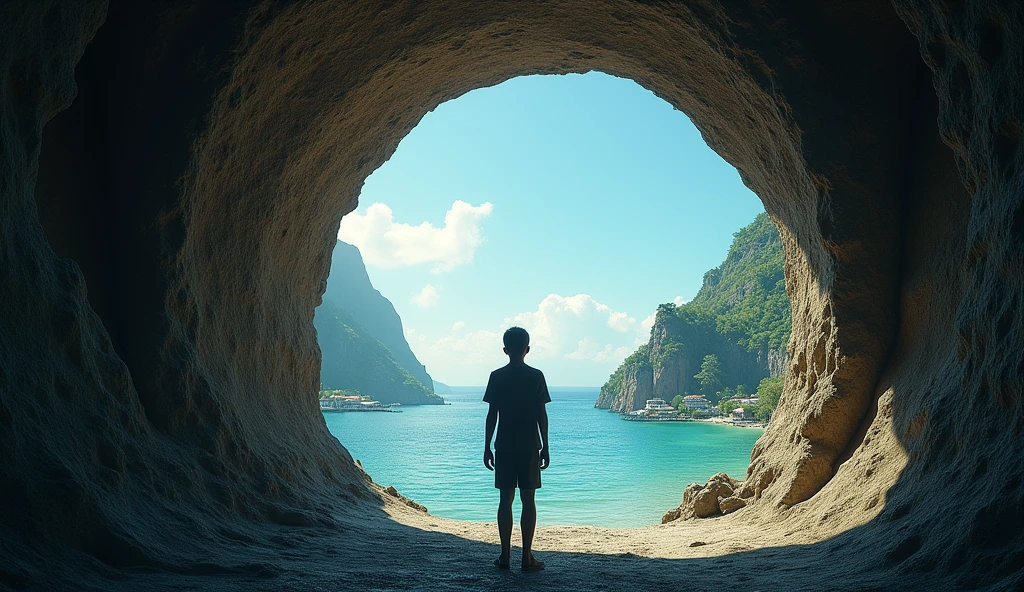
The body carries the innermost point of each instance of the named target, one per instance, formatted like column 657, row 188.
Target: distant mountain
column 361, row 338
column 741, row 315
column 442, row 388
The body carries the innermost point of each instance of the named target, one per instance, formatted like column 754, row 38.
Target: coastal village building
column 658, row 409
column 352, row 403
column 740, row 414
column 696, row 403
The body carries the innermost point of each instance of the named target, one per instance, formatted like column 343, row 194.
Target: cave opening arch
column 345, row 118
column 537, row 167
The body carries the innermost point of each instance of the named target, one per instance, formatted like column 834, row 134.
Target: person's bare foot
column 502, row 562
column 531, row 563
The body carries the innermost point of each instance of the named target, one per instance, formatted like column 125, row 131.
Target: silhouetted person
column 516, row 394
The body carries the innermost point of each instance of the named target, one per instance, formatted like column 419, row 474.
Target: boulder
column 730, row 504
column 703, row 501
column 705, row 504
column 690, row 493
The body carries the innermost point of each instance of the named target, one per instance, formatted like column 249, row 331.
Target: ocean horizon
column 604, row 471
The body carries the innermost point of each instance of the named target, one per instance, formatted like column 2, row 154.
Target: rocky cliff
column 741, row 315
column 349, row 287
column 354, row 360
column 362, row 343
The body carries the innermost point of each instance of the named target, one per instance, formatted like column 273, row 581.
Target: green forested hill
column 746, row 295
column 361, row 338
column 741, row 315
column 354, row 360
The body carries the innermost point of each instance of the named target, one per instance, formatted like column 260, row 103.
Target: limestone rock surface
column 728, row 505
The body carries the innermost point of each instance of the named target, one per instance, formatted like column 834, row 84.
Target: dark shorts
column 517, row 468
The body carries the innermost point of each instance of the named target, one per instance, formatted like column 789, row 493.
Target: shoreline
column 727, row 422
column 714, row 420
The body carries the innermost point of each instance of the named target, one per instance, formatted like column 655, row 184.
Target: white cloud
column 643, row 334
column 426, row 297
column 574, row 339
column 678, row 300
column 588, row 349
column 412, row 335
column 479, row 349
column 389, row 244
column 621, row 322
column 561, row 321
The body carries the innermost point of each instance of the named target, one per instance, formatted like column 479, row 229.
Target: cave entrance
column 207, row 278
column 223, row 144
column 470, row 227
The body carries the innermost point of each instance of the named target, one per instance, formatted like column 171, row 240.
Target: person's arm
column 542, row 422
column 489, row 425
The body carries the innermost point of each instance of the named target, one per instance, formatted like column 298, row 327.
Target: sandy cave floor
column 416, row 551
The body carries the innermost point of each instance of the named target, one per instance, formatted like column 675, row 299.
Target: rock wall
column 157, row 356
column 773, row 360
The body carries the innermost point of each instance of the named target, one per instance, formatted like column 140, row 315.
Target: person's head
column 517, row 342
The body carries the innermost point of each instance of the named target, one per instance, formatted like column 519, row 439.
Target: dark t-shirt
column 520, row 393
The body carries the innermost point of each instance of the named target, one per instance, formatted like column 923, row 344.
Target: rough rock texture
column 158, row 365
column 390, row 490
column 730, row 504
column 704, row 501
column 774, row 360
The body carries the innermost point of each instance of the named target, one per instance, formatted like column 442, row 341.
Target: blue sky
column 572, row 205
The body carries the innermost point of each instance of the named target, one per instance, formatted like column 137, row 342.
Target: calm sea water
column 604, row 471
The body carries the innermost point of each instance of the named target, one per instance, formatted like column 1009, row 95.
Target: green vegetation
column 355, row 361
column 668, row 349
column 710, row 375
column 617, row 380
column 746, row 294
column 743, row 302
column 726, row 406
column 768, row 392
column 324, row 393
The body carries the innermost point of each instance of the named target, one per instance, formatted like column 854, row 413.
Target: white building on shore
column 696, row 403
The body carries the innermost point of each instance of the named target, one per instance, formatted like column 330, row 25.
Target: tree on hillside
column 710, row 375
column 726, row 406
column 768, row 393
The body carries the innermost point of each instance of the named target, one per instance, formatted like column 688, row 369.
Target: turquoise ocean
column 604, row 471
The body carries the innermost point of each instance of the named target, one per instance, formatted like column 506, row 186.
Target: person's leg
column 528, row 522
column 505, row 524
